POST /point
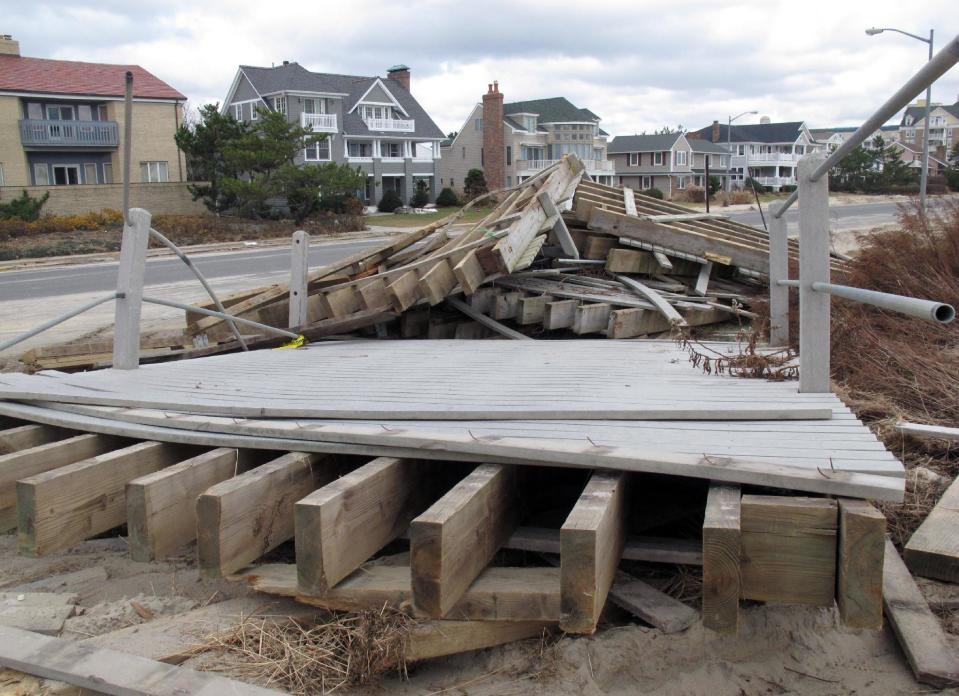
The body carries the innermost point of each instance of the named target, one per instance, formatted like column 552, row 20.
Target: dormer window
column 279, row 105
column 529, row 123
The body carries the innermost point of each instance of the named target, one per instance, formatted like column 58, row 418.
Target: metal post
column 299, row 267
column 778, row 270
column 127, row 144
column 133, row 256
column 729, row 128
column 924, row 177
column 813, row 268
column 706, row 156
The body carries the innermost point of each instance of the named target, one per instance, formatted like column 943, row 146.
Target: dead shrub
column 691, row 194
column 741, row 196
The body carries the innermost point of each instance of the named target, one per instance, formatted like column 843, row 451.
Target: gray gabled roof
column 552, row 110
column 786, row 132
column 294, row 77
column 919, row 112
column 642, row 143
column 700, row 145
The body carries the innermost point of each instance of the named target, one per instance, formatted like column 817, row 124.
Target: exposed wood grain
column 862, row 542
column 26, row 436
column 722, row 540
column 933, row 549
column 652, row 606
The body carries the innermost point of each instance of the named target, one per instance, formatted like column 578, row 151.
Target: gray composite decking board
column 435, row 380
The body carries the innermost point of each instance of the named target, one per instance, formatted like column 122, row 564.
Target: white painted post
column 299, row 268
column 778, row 270
column 813, row 268
column 133, row 256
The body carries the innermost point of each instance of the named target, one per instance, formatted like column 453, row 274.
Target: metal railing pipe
column 221, row 315
column 937, row 66
column 786, row 283
column 57, row 320
column 930, row 310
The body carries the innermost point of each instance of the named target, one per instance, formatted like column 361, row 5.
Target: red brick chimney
column 400, row 73
column 494, row 143
column 715, row 134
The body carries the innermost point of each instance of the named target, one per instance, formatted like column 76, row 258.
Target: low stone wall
column 171, row 198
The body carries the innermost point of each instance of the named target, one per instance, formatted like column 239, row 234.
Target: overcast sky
column 638, row 64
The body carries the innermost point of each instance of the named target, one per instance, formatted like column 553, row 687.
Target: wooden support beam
column 373, row 294
column 299, row 270
column 60, row 508
column 629, row 200
column 778, row 270
column 482, row 299
column 340, row 302
column 130, row 272
column 469, row 273
column 814, row 242
column 591, row 318
column 649, row 549
column 933, row 550
column 26, row 436
column 649, row 604
column 559, row 314
column 632, row 322
column 702, row 279
column 591, row 545
column 454, row 540
column 862, row 542
column 341, row 525
column 433, row 639
column 438, row 282
column 404, row 291
column 631, row 261
column 161, row 507
column 722, row 540
column 560, row 231
column 531, row 309
column 663, row 260
column 36, row 460
column 664, row 308
column 920, row 634
column 506, row 305
column 242, row 518
column 598, row 246
column 789, row 547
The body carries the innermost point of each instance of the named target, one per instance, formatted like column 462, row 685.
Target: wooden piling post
column 133, row 255
column 778, row 270
column 299, row 267
column 813, row 268
column 722, row 541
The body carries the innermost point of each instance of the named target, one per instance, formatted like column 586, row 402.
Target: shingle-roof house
column 512, row 142
column 373, row 123
column 768, row 152
column 60, row 124
column 943, row 127
column 666, row 161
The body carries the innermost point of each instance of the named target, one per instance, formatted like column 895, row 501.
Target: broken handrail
column 938, row 312
column 221, row 315
column 57, row 320
column 929, row 73
column 199, row 276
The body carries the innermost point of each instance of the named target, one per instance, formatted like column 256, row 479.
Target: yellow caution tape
column 295, row 343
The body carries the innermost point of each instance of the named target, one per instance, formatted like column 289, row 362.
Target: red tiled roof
column 21, row 74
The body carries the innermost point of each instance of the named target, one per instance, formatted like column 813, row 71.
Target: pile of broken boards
column 614, row 263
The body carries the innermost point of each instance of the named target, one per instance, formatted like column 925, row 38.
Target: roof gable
column 785, row 132
column 45, row 76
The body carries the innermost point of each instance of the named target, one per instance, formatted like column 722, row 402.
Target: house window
column 360, row 149
column 633, row 159
column 314, row 106
column 101, row 112
column 680, row 157
column 509, row 154
column 647, row 182
column 680, row 182
column 279, row 105
column 107, row 173
column 318, row 151
column 154, row 172
column 390, row 150
column 255, row 111
column 85, row 112
column 910, row 132
column 90, row 173
column 478, row 124
column 530, row 123
column 66, row 174
column 238, row 112
column 60, row 113
column 658, row 158
column 41, row 175
column 509, row 182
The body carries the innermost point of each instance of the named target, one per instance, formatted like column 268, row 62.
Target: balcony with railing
column 776, row 181
column 774, row 157
column 538, row 165
column 54, row 133
column 320, row 123
column 396, row 125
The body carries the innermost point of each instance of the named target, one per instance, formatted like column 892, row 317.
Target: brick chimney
column 400, row 73
column 494, row 143
column 715, row 134
column 9, row 46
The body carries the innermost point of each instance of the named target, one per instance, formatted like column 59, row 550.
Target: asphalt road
column 102, row 277
column 854, row 216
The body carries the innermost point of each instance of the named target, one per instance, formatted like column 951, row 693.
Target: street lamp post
column 729, row 161
column 924, row 176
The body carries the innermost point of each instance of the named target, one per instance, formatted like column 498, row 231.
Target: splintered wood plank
column 591, row 545
column 27, row 436
column 454, row 540
column 241, row 519
column 161, row 507
column 342, row 524
column 933, row 549
column 652, row 606
column 36, row 460
column 789, row 549
column 506, row 305
column 437, row 283
column 722, row 582
column 862, row 541
column 591, row 318
column 559, row 314
column 59, row 508
column 404, row 291
column 631, row 261
column 920, row 634
column 469, row 273
column 531, row 309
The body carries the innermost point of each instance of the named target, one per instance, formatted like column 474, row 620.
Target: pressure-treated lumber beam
column 649, row 604
column 161, row 507
column 862, row 543
column 26, row 436
column 722, row 540
column 591, row 545
column 933, row 549
column 789, row 549
column 36, row 460
column 456, row 537
column 241, row 519
column 342, row 524
column 62, row 507
column 920, row 634
column 559, row 314
column 438, row 638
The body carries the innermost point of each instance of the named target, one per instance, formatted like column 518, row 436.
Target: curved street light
column 872, row 31
column 729, row 162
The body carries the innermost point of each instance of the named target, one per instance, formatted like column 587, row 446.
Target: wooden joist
column 862, row 543
column 242, row 518
column 26, row 436
column 454, row 540
column 591, row 545
column 933, row 549
column 722, row 543
column 62, row 507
